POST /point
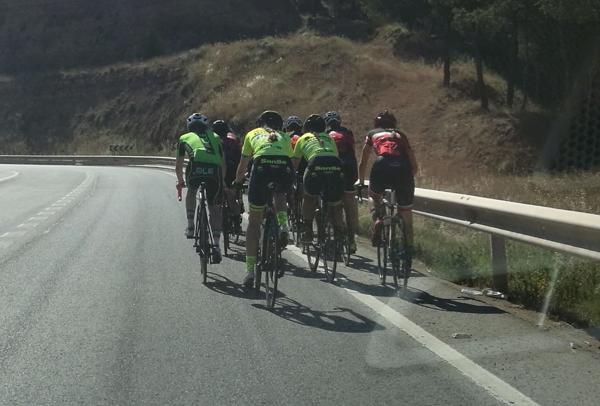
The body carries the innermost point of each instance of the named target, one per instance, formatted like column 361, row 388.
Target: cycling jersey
column 344, row 140
column 294, row 137
column 388, row 142
column 204, row 166
column 310, row 146
column 263, row 142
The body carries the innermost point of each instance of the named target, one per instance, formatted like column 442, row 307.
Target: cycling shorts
column 266, row 170
column 350, row 169
column 209, row 174
column 393, row 173
column 324, row 177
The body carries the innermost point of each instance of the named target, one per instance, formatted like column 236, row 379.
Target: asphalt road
column 101, row 303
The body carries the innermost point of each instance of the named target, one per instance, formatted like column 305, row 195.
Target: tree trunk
column 526, row 74
column 485, row 103
column 447, row 51
column 514, row 62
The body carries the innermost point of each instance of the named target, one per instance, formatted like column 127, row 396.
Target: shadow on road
column 360, row 263
column 340, row 319
column 424, row 299
column 459, row 305
column 225, row 286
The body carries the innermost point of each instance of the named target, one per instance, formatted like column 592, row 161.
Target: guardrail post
column 499, row 263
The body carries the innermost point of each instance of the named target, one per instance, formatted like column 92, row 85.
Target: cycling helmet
column 197, row 121
column 385, row 120
column 271, row 119
column 220, row 127
column 315, row 124
column 293, row 121
column 332, row 116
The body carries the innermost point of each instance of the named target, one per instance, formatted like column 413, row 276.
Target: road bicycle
column 324, row 247
column 204, row 241
column 392, row 248
column 295, row 213
column 231, row 230
column 269, row 252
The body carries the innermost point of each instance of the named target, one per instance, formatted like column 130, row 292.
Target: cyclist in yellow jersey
column 206, row 165
column 323, row 177
column 271, row 151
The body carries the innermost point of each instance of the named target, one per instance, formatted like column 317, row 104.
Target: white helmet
column 332, row 116
column 196, row 119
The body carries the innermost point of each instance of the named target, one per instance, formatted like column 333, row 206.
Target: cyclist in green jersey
column 271, row 151
column 206, row 165
column 324, row 175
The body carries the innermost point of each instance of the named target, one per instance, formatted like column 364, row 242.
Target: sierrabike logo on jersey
column 328, row 168
column 202, row 170
column 273, row 161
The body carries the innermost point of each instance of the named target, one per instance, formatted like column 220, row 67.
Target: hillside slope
column 146, row 103
column 43, row 35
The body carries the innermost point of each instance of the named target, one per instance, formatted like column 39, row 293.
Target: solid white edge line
column 9, row 177
column 495, row 386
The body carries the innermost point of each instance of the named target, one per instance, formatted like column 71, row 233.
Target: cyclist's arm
column 179, row 168
column 412, row 158
column 179, row 162
column 364, row 160
column 241, row 170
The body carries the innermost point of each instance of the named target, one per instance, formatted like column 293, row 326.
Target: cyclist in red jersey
column 233, row 153
column 344, row 139
column 394, row 169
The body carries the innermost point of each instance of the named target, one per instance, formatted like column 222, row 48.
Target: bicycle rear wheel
column 271, row 266
column 313, row 254
column 330, row 253
column 226, row 229
column 344, row 250
column 204, row 249
column 382, row 254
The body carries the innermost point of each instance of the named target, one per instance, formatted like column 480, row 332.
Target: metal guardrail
column 569, row 232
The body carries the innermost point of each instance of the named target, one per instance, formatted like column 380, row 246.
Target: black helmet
column 197, row 122
column 293, row 122
column 315, row 124
column 332, row 117
column 220, row 127
column 385, row 120
column 271, row 119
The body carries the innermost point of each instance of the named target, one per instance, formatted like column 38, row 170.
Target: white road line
column 4, row 235
column 38, row 218
column 495, row 386
column 9, row 177
column 27, row 225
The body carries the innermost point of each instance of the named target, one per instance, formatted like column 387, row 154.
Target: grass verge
column 571, row 285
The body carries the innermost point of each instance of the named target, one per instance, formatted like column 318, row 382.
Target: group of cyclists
column 317, row 156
